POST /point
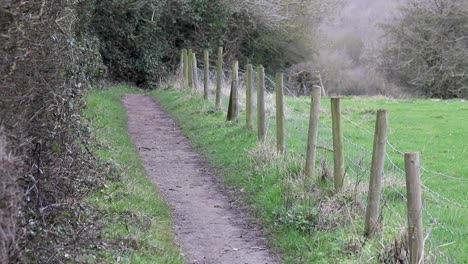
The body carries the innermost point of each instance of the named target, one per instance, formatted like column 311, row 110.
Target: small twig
column 89, row 151
column 447, row 244
column 41, row 12
column 325, row 148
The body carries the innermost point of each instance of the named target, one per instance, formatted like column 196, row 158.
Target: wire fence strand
column 357, row 156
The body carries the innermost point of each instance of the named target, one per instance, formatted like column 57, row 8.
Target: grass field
column 136, row 215
column 307, row 222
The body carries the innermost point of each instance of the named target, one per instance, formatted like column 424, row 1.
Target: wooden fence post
column 377, row 173
column 186, row 67
column 313, row 132
column 190, row 71
column 413, row 195
column 195, row 72
column 206, row 76
column 261, row 128
column 280, row 129
column 338, row 147
column 219, row 78
column 181, row 68
column 248, row 97
column 233, row 108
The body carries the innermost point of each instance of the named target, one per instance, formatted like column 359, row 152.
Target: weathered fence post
column 377, row 173
column 206, row 76
column 190, row 70
column 195, row 73
column 313, row 132
column 338, row 147
column 233, row 108
column 280, row 129
column 219, row 78
column 186, row 67
column 248, row 97
column 413, row 195
column 261, row 128
column 181, row 68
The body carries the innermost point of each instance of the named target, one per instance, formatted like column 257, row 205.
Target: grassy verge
column 308, row 223
column 136, row 215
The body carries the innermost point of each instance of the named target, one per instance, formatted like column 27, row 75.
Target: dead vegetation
column 45, row 166
column 8, row 201
column 396, row 252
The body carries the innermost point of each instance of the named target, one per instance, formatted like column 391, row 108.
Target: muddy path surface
column 209, row 227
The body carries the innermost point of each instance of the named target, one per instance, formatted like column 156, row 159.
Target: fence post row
column 233, row 108
column 280, row 128
column 261, row 128
column 206, row 75
column 338, row 148
column 248, row 97
column 313, row 132
column 412, row 165
column 219, row 77
column 372, row 224
column 415, row 221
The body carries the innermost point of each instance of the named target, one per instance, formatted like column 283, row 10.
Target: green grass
column 436, row 129
column 136, row 214
column 270, row 184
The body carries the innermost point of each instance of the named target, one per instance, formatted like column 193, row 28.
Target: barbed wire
column 288, row 89
column 356, row 158
column 438, row 223
column 443, row 197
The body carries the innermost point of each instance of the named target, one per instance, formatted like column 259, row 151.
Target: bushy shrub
column 45, row 168
column 141, row 41
column 427, row 48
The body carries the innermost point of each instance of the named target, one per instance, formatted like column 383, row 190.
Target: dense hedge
column 141, row 41
column 44, row 166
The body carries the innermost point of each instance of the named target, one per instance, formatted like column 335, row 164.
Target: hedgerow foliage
column 45, row 169
column 428, row 47
column 141, row 40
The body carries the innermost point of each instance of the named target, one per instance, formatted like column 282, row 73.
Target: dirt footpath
column 208, row 227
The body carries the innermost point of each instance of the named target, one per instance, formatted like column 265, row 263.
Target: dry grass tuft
column 339, row 210
column 264, row 154
column 397, row 252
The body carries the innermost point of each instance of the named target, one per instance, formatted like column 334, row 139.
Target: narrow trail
column 209, row 227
